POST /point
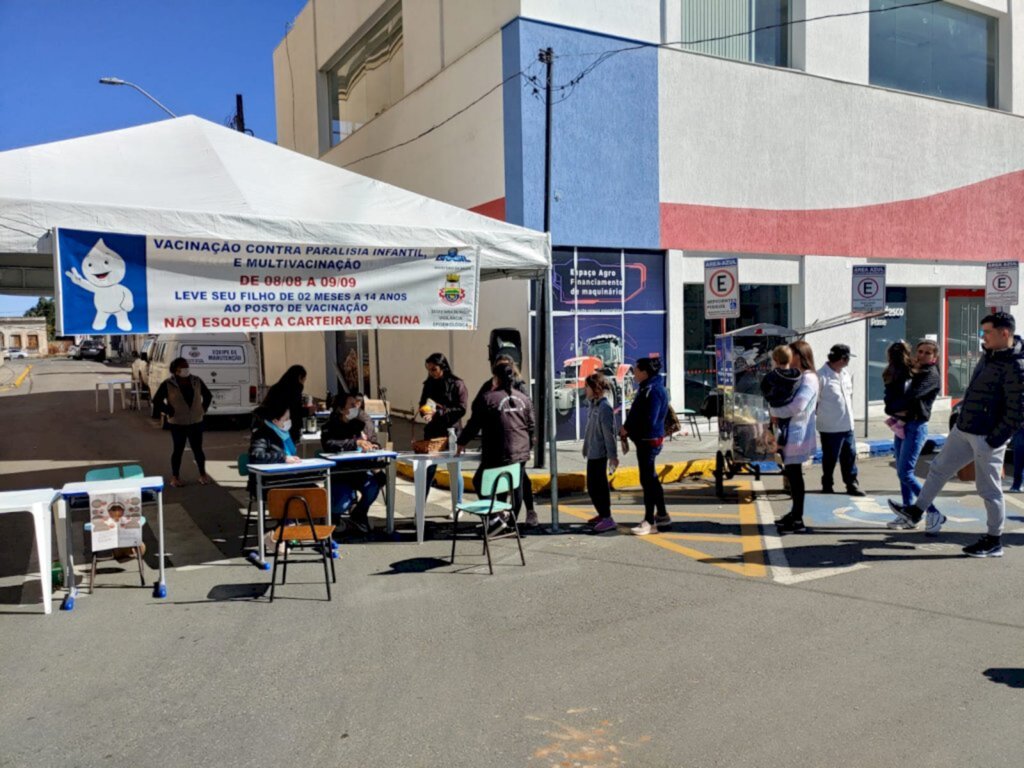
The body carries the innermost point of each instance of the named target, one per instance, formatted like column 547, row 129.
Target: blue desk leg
column 68, row 603
column 256, row 557
column 160, row 588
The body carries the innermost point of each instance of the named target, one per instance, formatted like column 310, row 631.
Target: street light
column 119, row 81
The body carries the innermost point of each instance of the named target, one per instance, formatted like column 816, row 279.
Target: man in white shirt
column 835, row 421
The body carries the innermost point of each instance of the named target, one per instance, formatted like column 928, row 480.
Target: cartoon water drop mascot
column 103, row 271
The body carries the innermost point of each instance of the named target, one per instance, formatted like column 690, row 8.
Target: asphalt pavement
column 714, row 644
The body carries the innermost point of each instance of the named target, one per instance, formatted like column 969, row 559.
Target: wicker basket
column 433, row 445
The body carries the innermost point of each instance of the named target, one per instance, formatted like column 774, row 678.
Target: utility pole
column 239, row 114
column 540, row 292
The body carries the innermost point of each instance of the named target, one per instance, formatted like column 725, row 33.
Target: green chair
column 689, row 416
column 493, row 482
column 243, row 470
column 114, row 473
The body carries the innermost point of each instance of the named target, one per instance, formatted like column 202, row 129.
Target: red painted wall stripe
column 977, row 222
column 495, row 209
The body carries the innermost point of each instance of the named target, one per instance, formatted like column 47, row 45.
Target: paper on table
column 116, row 519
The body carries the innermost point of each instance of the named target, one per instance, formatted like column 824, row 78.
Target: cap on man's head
column 839, row 352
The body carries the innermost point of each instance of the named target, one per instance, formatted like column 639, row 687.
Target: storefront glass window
column 609, row 310
column 368, row 78
column 723, row 24
column 938, row 50
column 758, row 304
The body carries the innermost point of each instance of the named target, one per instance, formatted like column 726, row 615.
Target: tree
column 45, row 308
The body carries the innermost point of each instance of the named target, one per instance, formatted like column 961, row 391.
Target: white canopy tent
column 188, row 176
column 191, row 177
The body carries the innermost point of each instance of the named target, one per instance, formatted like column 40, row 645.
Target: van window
column 214, row 354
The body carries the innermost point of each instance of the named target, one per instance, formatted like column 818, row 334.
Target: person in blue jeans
column 645, row 426
column 911, row 386
column 351, row 429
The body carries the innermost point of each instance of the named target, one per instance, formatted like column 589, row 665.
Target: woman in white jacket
column 802, row 441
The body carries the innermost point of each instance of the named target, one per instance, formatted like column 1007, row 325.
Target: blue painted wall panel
column 605, row 138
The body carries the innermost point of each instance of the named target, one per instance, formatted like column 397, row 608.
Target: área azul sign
column 114, row 283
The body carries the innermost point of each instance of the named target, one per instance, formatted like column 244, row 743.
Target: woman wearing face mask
column 184, row 399
column 288, row 389
column 270, row 441
column 350, row 428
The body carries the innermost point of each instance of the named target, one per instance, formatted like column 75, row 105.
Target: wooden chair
column 116, row 473
column 296, row 509
column 493, row 482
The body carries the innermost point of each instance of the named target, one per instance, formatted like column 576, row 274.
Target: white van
column 226, row 362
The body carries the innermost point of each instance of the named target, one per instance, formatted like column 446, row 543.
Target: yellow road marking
column 751, row 560
column 18, row 381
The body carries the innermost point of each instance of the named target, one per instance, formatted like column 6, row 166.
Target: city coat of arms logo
column 452, row 292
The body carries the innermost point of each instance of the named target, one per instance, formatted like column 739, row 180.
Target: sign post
column 721, row 289
column 1002, row 281
column 868, row 296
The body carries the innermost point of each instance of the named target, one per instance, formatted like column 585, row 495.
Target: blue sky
column 192, row 55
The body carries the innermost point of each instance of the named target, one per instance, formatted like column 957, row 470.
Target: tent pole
column 549, row 387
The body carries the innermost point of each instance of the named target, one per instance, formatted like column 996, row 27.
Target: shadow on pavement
column 1011, row 677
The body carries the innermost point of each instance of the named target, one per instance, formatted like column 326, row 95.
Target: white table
column 38, row 503
column 421, row 462
column 122, row 485
column 110, row 384
column 294, row 475
column 370, row 460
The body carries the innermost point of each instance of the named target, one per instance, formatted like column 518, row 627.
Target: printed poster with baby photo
column 101, row 285
column 116, row 520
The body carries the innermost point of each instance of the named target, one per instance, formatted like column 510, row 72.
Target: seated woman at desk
column 351, row 429
column 270, row 441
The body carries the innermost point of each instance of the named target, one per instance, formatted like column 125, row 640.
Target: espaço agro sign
column 114, row 283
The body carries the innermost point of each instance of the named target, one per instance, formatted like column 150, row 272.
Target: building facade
column 25, row 333
column 682, row 130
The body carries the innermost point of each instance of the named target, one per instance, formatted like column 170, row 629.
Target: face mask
column 183, row 373
column 286, row 425
column 352, row 413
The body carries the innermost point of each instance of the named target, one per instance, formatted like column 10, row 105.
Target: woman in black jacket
column 910, row 392
column 288, row 390
column 270, row 441
column 451, row 401
column 504, row 418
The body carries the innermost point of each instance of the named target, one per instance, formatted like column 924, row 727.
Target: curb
column 576, row 482
column 868, row 448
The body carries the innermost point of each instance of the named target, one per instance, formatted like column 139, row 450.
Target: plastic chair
column 495, row 481
column 243, row 470
column 296, row 509
column 690, row 417
column 116, row 473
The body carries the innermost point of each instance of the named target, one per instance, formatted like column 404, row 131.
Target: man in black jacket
column 992, row 409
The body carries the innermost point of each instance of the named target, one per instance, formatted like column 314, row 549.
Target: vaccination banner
column 111, row 283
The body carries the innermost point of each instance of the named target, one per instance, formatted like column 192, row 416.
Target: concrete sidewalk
column 682, row 456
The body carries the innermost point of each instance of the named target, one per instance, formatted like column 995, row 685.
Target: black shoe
column 911, row 513
column 853, row 490
column 790, row 524
column 358, row 525
column 498, row 525
column 986, row 546
column 827, row 489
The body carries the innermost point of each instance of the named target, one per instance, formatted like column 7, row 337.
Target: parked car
column 16, row 353
column 73, row 352
column 140, row 365
column 225, row 361
column 92, row 349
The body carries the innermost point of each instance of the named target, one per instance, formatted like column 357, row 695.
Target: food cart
column 746, row 441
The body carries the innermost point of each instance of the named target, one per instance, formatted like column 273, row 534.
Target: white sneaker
column 933, row 523
column 899, row 524
column 643, row 529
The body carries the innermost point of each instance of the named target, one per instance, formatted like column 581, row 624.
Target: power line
column 603, row 56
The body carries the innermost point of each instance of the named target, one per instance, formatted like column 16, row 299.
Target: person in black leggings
column 645, row 426
column 184, row 399
column 801, row 441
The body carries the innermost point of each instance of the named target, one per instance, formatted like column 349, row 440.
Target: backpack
column 672, row 424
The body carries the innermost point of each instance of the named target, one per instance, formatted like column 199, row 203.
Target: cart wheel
column 719, row 473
